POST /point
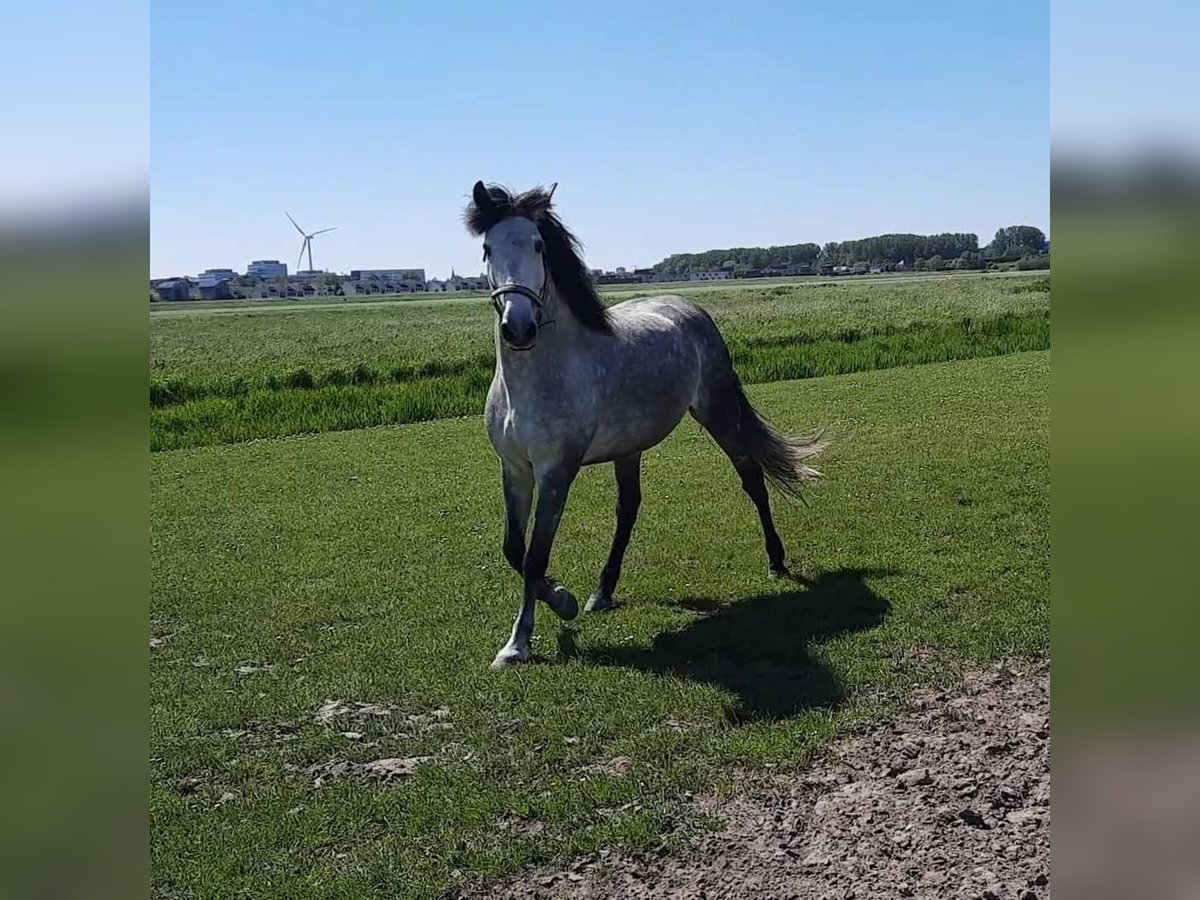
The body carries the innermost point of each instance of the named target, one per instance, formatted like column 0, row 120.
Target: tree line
column 918, row 251
column 741, row 258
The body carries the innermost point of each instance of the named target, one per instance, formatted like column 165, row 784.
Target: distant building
column 267, row 268
column 414, row 276
column 212, row 274
column 721, row 274
column 215, row 287
column 386, row 281
column 471, row 283
column 172, row 289
column 618, row 277
column 456, row 283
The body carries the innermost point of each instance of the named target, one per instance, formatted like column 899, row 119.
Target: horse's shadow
column 757, row 648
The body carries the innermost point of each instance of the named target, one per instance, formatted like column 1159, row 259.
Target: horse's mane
column 570, row 275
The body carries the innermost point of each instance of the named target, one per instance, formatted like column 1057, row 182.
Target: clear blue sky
column 670, row 127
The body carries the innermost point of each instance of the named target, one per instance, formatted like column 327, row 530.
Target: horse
column 578, row 384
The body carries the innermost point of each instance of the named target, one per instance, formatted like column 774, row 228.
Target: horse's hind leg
column 629, row 498
column 719, row 413
column 518, row 500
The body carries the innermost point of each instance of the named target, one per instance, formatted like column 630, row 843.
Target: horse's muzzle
column 518, row 334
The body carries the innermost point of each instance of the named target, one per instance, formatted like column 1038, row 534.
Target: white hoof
column 510, row 656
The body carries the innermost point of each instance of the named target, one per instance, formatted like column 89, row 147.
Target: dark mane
column 570, row 275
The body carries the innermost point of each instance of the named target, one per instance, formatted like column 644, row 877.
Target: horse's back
column 674, row 306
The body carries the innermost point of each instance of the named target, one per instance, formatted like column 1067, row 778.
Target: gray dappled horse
column 578, row 384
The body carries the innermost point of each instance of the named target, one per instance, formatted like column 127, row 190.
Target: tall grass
column 229, row 352
column 220, row 411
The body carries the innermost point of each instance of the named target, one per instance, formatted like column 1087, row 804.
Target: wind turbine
column 305, row 247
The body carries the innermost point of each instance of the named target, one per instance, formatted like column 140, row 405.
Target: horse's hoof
column 562, row 601
column 510, row 656
column 600, row 602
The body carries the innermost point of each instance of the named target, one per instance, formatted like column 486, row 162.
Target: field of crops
column 231, row 374
column 332, row 597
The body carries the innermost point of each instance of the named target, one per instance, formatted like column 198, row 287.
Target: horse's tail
column 784, row 458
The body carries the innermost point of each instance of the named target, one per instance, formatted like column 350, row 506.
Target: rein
column 538, row 300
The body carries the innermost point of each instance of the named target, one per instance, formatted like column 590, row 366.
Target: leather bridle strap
column 538, row 300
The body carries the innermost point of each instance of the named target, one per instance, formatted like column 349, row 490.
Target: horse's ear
column 550, row 193
column 482, row 198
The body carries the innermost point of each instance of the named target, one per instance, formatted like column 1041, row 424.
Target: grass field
column 364, row 567
column 236, row 374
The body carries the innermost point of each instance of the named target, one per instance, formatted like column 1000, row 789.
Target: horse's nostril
column 519, row 336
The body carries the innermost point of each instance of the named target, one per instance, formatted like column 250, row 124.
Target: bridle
column 538, row 299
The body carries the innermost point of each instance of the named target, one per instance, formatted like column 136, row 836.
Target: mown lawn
column 365, row 567
column 228, row 376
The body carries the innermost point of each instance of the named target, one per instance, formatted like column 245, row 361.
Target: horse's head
column 515, row 252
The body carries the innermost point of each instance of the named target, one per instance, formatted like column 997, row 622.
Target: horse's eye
column 538, row 246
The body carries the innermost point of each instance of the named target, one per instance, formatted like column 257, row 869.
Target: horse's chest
column 526, row 425
column 508, row 430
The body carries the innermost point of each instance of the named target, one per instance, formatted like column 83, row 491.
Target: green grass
column 366, row 566
column 235, row 376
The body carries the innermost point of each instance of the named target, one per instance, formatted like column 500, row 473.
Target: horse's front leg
column 517, row 480
column 552, row 487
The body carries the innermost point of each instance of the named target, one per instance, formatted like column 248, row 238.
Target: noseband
column 538, row 300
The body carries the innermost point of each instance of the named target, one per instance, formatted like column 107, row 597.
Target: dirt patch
column 621, row 765
column 950, row 800
column 335, row 709
column 337, row 713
